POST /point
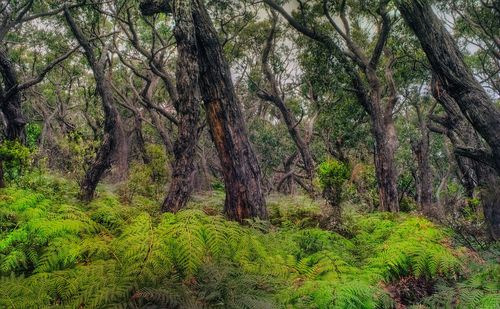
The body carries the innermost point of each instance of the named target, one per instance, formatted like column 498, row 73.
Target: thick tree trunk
column 188, row 108
column 461, row 133
column 11, row 101
column 113, row 145
column 242, row 174
column 385, row 147
column 457, row 79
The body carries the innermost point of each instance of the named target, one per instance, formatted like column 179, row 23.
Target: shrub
column 15, row 159
column 55, row 251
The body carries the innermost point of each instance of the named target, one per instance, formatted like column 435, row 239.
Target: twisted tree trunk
column 11, row 101
column 242, row 175
column 114, row 144
column 188, row 108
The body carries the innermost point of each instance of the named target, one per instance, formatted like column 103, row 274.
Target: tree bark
column 457, row 79
column 242, row 174
column 385, row 147
column 188, row 108
column 421, row 149
column 479, row 175
column 113, row 145
column 11, row 105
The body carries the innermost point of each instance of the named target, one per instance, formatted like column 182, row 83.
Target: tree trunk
column 461, row 133
column 273, row 96
column 457, row 79
column 242, row 174
column 188, row 108
column 421, row 149
column 11, row 101
column 113, row 145
column 385, row 147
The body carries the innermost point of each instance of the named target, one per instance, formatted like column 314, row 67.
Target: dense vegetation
column 249, row 154
column 57, row 252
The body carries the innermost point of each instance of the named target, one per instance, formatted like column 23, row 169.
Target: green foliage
column 33, row 132
column 147, row 180
column 74, row 152
column 15, row 159
column 332, row 173
column 293, row 211
column 59, row 253
column 480, row 290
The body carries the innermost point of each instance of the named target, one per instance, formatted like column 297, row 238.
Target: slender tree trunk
column 113, row 145
column 421, row 149
column 242, row 174
column 456, row 78
column 273, row 96
column 188, row 108
column 385, row 147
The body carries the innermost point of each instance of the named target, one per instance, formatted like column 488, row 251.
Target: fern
column 59, row 253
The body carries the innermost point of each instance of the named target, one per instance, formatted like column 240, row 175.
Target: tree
column 188, row 107
column 12, row 15
column 378, row 101
column 114, row 147
column 477, row 174
column 272, row 94
column 242, row 175
column 455, row 76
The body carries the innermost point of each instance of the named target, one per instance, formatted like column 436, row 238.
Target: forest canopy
column 249, row 154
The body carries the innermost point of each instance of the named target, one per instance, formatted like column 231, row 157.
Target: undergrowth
column 56, row 252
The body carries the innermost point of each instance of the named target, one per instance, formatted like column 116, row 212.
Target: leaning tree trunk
column 242, row 174
column 457, row 79
column 461, row 133
column 188, row 108
column 113, row 144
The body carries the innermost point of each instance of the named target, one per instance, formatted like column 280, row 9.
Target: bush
column 55, row 251
column 15, row 159
column 147, row 180
column 332, row 173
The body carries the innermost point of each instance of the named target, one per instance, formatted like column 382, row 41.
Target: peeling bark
column 242, row 174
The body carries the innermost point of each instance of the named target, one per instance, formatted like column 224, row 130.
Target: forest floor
column 58, row 252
